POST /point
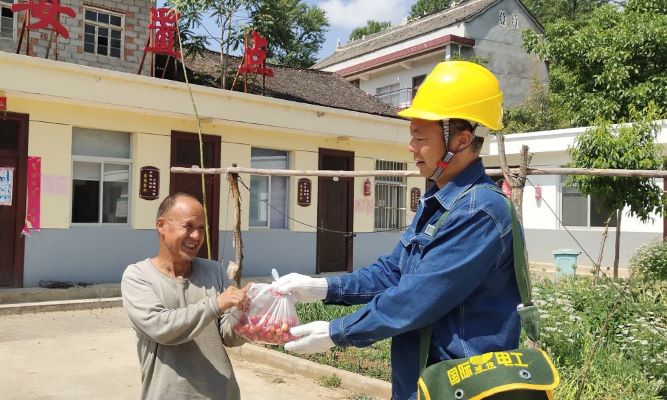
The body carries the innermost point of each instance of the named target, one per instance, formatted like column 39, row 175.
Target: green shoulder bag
column 521, row 374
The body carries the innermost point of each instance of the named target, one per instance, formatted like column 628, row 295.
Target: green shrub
column 630, row 360
column 650, row 260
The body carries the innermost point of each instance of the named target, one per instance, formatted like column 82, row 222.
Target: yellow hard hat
column 459, row 89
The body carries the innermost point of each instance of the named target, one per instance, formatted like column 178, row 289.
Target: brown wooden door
column 185, row 153
column 334, row 212
column 13, row 167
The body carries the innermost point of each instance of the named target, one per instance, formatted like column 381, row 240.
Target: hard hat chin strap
column 447, row 158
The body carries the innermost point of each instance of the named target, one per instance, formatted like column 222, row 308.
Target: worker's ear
column 160, row 225
column 463, row 139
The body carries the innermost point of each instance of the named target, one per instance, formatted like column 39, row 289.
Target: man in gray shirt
column 183, row 310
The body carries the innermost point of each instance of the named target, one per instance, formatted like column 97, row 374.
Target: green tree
column 370, row 28
column 626, row 146
column 423, row 7
column 228, row 18
column 553, row 10
column 605, row 65
column 295, row 30
column 538, row 113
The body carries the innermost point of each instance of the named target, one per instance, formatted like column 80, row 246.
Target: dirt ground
column 91, row 355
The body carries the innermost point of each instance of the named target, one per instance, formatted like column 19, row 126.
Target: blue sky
column 345, row 15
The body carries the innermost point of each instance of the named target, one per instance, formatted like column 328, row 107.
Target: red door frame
column 20, row 190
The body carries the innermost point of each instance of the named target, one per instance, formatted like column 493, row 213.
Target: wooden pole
column 166, row 64
column 27, row 36
column 143, row 57
column 233, row 180
column 409, row 174
column 48, row 47
column 598, row 266
column 23, row 27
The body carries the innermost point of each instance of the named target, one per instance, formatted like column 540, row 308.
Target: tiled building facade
column 104, row 33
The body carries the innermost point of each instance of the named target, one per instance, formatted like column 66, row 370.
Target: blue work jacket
column 459, row 279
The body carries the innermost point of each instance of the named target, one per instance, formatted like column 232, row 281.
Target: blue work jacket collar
column 451, row 192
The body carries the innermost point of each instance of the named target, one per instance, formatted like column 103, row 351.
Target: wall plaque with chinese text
column 415, row 195
column 303, row 192
column 6, row 185
column 149, row 181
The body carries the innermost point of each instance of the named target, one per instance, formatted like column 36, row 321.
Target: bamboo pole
column 624, row 173
column 237, row 268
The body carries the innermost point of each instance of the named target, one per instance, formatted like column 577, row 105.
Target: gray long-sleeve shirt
column 181, row 332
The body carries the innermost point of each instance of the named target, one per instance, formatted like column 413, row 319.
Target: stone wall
column 136, row 16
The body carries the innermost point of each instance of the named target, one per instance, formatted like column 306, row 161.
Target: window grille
column 390, row 196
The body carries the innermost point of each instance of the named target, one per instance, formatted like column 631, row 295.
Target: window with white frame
column 6, row 20
column 502, row 18
column 390, row 196
column 578, row 209
column 515, row 21
column 101, row 165
column 269, row 197
column 103, row 32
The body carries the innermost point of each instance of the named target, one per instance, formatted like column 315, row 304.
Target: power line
column 319, row 228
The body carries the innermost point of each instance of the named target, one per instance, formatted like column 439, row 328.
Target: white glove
column 314, row 338
column 303, row 287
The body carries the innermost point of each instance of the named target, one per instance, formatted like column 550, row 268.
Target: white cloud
column 349, row 14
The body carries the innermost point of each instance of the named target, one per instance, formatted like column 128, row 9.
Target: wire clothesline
column 622, row 292
column 623, row 173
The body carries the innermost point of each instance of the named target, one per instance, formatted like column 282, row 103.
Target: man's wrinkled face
column 427, row 145
column 182, row 229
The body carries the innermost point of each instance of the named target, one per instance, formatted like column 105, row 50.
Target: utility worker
column 455, row 274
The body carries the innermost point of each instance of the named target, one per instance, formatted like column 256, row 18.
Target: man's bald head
column 170, row 201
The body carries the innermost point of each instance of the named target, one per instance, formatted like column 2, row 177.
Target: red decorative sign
column 47, row 13
column 3, row 103
column 164, row 22
column 32, row 218
column 255, row 57
column 149, row 178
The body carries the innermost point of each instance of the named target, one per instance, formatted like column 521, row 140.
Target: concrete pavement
column 90, row 354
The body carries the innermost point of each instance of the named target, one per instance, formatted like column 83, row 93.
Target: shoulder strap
column 527, row 311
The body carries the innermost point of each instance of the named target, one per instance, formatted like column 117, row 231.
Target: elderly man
column 183, row 309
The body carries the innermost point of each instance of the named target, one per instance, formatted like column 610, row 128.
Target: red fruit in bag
column 269, row 316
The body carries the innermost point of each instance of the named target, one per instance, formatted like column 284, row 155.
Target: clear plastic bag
column 270, row 315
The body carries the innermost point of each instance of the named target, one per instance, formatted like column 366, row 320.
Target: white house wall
column 457, row 29
column 502, row 45
column 400, row 75
column 544, row 233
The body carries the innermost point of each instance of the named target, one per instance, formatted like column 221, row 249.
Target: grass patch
column 329, row 381
column 360, row 396
column 630, row 363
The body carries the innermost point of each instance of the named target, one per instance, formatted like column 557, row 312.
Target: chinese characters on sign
column 303, row 192
column 6, row 185
column 149, row 178
column 254, row 61
column 482, row 363
column 47, row 13
column 164, row 24
column 415, row 195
